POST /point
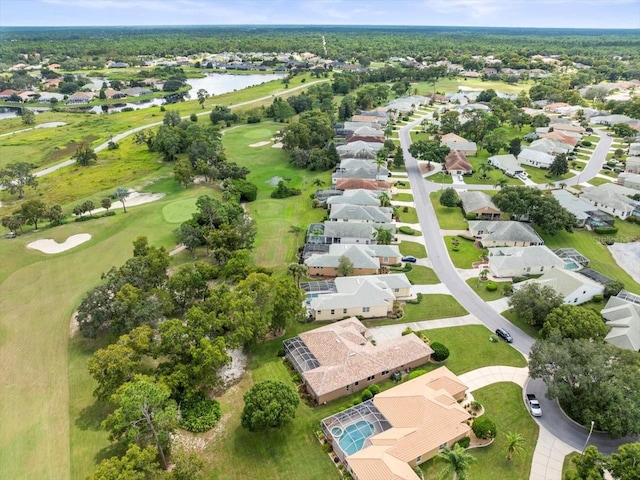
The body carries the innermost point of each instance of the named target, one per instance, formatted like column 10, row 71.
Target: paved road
column 120, row 136
column 553, row 419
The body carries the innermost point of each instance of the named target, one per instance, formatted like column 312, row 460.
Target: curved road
column 553, row 419
column 120, row 136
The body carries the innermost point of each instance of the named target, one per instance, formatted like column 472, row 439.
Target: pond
column 218, row 83
column 8, row 112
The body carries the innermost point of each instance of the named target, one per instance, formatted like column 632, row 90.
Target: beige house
column 402, row 427
column 366, row 259
column 480, row 204
column 338, row 359
column 364, row 296
column 504, row 234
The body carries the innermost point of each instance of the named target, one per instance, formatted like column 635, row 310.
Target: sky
column 479, row 13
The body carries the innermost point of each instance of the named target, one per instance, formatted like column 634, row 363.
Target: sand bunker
column 277, row 145
column 260, row 144
column 50, row 246
column 273, row 181
column 627, row 256
column 134, row 198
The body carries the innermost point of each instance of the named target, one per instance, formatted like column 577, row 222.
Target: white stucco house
column 575, row 288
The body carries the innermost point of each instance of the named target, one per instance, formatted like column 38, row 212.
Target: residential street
column 554, row 423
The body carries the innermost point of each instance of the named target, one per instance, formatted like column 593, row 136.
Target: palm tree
column 317, row 182
column 381, row 160
column 385, row 201
column 483, row 169
column 297, row 271
column 515, row 444
column 296, row 230
column 501, row 182
column 120, row 194
column 457, row 462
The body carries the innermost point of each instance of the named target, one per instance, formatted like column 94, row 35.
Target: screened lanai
column 299, row 355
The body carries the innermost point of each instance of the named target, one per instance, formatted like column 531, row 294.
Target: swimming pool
column 353, row 437
column 571, row 265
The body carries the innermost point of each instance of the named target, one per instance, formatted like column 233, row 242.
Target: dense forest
column 343, row 42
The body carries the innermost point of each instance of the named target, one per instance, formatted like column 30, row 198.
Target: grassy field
column 449, row 218
column 447, row 85
column 530, row 330
column 466, row 254
column 49, row 420
column 539, row 175
column 410, row 216
column 470, row 348
column 600, row 258
column 481, row 290
column 403, row 197
column 274, row 246
column 432, row 307
column 422, row 275
column 412, row 248
column 503, row 404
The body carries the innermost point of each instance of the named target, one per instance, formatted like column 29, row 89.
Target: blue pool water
column 570, row 265
column 353, row 437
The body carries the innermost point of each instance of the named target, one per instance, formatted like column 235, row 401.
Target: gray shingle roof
column 473, row 200
column 509, row 231
column 362, row 213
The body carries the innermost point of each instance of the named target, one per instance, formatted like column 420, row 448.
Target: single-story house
column 361, row 183
column 360, row 214
column 535, row 158
column 359, row 150
column 585, row 212
column 508, row 164
column 632, row 165
column 567, row 127
column 369, row 297
column 480, row 204
column 323, row 196
column 504, row 234
column 348, row 232
column 47, row 97
column 80, row 97
column 348, row 164
column 575, row 288
column 407, row 425
column 629, row 180
column 361, row 173
column 550, row 146
column 522, row 261
column 366, row 259
column 456, row 163
column 459, row 144
column 369, row 118
column 358, row 196
column 338, row 359
column 634, row 149
column 612, row 199
column 623, row 317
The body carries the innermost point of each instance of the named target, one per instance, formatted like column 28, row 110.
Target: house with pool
column 386, row 437
column 338, row 359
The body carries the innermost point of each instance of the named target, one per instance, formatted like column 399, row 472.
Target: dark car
column 410, row 259
column 506, row 336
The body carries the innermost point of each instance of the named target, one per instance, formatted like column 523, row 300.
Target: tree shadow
column 115, row 449
column 91, row 417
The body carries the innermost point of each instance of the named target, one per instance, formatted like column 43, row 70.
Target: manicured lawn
column 440, row 178
column 470, row 348
column 403, row 197
column 599, row 180
column 408, row 216
column 530, row 330
column 600, row 258
column 481, row 290
column 466, row 254
column 567, row 465
column 418, row 134
column 539, row 175
column 412, row 248
column 449, row 218
column 422, row 275
column 492, row 176
column 179, row 211
column 504, row 405
column 432, row 307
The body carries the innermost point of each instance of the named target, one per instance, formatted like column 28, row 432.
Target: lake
column 218, row 83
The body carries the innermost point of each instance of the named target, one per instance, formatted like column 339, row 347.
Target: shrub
column 598, row 298
column 357, row 401
column 366, row 395
column 440, row 352
column 491, row 286
column 193, row 117
column 374, row 389
column 465, row 442
column 199, row 414
column 281, row 353
column 484, row 427
column 247, row 190
column 471, row 216
column 108, row 214
column 284, row 191
column 606, row 230
column 476, row 406
column 518, row 279
column 405, row 209
column 407, row 331
column 586, row 143
column 416, row 374
column 253, row 119
column 407, row 230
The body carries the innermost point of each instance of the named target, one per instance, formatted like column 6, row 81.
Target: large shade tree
column 269, row 404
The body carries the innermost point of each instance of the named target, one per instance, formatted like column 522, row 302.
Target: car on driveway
column 506, row 336
column 410, row 259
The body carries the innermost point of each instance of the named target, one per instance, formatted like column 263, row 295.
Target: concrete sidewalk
column 481, row 377
column 548, row 456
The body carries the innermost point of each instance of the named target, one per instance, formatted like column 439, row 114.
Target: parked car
column 506, row 336
column 534, row 405
column 410, row 259
column 607, row 167
column 10, row 235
